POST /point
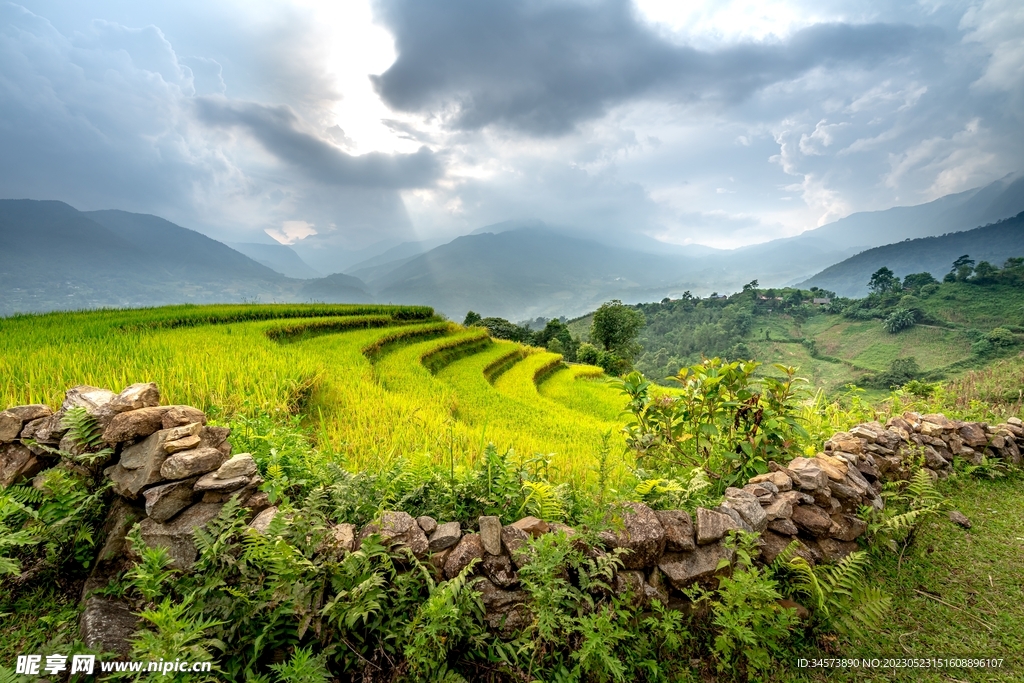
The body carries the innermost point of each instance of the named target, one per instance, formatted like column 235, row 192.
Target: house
column 821, row 301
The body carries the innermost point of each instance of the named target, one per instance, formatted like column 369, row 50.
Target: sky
column 345, row 127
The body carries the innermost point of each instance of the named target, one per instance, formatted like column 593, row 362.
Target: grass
column 955, row 593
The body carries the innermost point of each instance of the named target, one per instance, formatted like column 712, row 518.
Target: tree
column 616, row 327
column 472, row 318
column 883, row 280
column 900, row 319
column 962, row 268
column 985, row 273
column 915, row 281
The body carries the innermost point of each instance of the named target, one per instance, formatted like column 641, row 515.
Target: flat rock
column 712, row 526
column 191, row 463
column 186, row 444
column 678, row 530
column 847, row 527
column 445, row 536
column 748, row 507
column 427, row 523
column 834, row 468
column 781, row 508
column 973, row 434
column 210, row 482
column 167, row 500
column 812, row 519
column 14, row 419
column 108, row 625
column 959, row 518
column 179, row 416
column 134, row 424
column 401, row 528
column 262, row 521
column 469, row 548
column 142, row 395
column 783, row 526
column 18, row 463
column 531, row 525
column 807, row 474
column 490, row 534
column 241, row 465
column 176, row 535
column 781, row 480
column 683, row 569
column 93, row 399
column 641, row 534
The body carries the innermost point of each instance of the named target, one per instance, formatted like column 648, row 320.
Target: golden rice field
column 374, row 382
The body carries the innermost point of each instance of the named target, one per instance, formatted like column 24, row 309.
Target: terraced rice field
column 374, row 382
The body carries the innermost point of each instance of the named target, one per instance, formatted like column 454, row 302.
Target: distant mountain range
column 993, row 243
column 55, row 257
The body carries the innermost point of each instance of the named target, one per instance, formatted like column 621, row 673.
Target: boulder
column 179, row 416
column 191, row 463
column 772, row 545
column 262, row 521
column 499, row 569
column 108, row 625
column 973, row 434
column 257, row 502
column 93, row 399
column 812, row 519
column 445, row 536
column 129, row 482
column 678, row 530
column 165, row 501
column 641, row 534
column 241, row 465
column 933, row 459
column 134, row 424
column 781, row 480
column 142, row 395
column 783, row 526
column 846, row 442
column 216, row 437
column 533, row 526
column 516, row 541
column 13, row 420
column 401, row 528
column 470, row 548
column 712, row 526
column 18, row 463
column 176, row 535
column 683, row 569
column 748, row 507
column 233, row 474
column 490, row 534
column 427, row 523
column 186, row 444
column 807, row 474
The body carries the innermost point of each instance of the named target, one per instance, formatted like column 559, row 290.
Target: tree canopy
column 616, row 327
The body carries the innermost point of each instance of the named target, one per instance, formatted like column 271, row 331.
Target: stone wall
column 171, row 472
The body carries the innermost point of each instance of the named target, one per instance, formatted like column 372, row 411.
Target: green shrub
column 1000, row 336
column 900, row 319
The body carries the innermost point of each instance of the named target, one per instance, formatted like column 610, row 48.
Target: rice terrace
column 386, row 341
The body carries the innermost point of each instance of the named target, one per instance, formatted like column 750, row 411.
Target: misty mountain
column 278, row 257
column 54, row 257
column 334, row 289
column 993, row 243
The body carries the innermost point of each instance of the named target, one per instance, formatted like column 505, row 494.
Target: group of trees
column 613, row 341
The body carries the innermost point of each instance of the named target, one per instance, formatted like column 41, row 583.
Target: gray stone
column 147, row 453
column 735, row 516
column 400, row 528
column 49, row 430
column 847, row 527
column 748, row 507
column 641, row 534
column 176, row 535
column 712, row 526
column 191, row 463
column 504, row 611
column 241, row 465
column 959, row 518
column 257, row 502
column 145, row 460
column 167, row 500
column 179, row 416
column 779, row 509
column 807, row 474
column 470, row 548
column 142, row 395
column 833, row 550
column 933, row 460
column 134, row 424
column 683, row 569
column 262, row 521
column 678, row 530
column 783, row 526
column 242, row 495
column 427, row 523
column 812, row 519
column 93, row 399
column 780, row 479
column 216, row 437
column 531, row 525
column 13, row 420
column 343, row 537
column 490, row 534
column 108, row 625
column 516, row 542
column 18, row 463
column 445, row 536
column 973, row 434
column 498, row 568
column 210, row 482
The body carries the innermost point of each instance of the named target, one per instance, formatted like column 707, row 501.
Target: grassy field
column 377, row 382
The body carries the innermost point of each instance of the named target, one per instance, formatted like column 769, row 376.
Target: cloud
column 280, row 132
column 543, row 67
column 291, row 232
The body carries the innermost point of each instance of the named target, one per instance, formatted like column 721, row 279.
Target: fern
column 542, row 500
column 839, row 594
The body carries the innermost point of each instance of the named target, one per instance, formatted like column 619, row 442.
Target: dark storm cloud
column 542, row 67
column 279, row 131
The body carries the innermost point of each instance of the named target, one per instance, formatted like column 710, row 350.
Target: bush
column 900, row 319
column 1000, row 336
column 928, row 290
column 588, row 354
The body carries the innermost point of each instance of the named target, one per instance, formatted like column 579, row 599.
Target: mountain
column 278, row 257
column 993, row 243
column 381, row 264
column 54, row 257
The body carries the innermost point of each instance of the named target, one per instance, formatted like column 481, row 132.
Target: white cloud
column 291, row 232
